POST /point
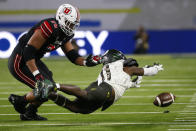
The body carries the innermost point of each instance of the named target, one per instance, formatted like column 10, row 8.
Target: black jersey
column 55, row 37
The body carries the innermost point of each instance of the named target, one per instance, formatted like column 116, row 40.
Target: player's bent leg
column 60, row 100
column 20, row 71
column 31, row 111
column 64, row 102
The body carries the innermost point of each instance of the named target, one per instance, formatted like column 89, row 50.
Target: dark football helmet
column 112, row 55
column 130, row 62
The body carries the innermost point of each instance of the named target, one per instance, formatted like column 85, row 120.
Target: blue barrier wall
column 176, row 41
column 173, row 41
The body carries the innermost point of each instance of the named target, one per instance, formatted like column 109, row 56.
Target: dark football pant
column 97, row 96
column 21, row 72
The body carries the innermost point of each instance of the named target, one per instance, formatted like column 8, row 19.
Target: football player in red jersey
column 25, row 64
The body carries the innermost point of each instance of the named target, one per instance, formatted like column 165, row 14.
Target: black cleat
column 31, row 114
column 18, row 103
column 32, row 117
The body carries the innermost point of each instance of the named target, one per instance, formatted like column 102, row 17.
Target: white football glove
column 136, row 82
column 152, row 70
column 159, row 67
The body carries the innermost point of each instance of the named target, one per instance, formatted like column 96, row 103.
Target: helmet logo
column 67, row 11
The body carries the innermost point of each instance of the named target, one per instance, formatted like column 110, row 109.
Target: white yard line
column 138, row 104
column 188, row 111
column 130, row 90
column 169, row 85
column 183, row 125
column 186, row 120
column 181, row 129
column 98, row 113
column 186, row 115
column 87, row 82
column 170, row 80
column 142, row 85
column 175, row 79
column 91, row 124
column 182, row 96
column 183, row 89
column 190, row 118
column 193, row 106
column 15, row 92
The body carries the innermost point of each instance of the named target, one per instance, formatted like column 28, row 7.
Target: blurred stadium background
column 107, row 24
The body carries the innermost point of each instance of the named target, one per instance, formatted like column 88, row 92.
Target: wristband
column 36, row 72
column 57, row 86
column 84, row 63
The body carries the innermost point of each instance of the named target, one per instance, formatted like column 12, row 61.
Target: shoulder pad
column 47, row 27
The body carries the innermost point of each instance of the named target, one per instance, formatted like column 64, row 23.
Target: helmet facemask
column 69, row 27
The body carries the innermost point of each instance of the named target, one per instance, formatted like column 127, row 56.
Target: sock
column 24, row 99
column 60, row 100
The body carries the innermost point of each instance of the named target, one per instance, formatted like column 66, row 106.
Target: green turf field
column 134, row 112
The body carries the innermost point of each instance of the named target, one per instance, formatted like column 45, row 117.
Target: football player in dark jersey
column 25, row 64
column 111, row 84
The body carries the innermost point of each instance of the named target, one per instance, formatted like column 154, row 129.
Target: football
column 164, row 99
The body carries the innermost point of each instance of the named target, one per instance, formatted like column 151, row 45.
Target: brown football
column 164, row 99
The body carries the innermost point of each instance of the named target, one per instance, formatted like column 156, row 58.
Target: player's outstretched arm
column 75, row 58
column 134, row 71
column 145, row 71
column 152, row 70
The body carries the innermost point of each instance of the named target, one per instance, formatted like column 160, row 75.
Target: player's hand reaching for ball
column 150, row 70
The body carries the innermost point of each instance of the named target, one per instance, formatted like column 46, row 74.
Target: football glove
column 42, row 89
column 136, row 82
column 93, row 60
column 50, row 87
column 150, row 70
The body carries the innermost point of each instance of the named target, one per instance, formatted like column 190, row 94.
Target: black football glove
column 48, row 88
column 42, row 89
column 37, row 90
column 93, row 60
column 38, row 85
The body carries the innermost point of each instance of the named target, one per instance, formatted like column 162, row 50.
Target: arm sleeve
column 72, row 55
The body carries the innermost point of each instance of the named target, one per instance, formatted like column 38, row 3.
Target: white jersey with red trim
column 114, row 75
